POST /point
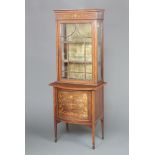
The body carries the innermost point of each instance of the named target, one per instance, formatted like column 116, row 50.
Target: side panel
column 99, row 103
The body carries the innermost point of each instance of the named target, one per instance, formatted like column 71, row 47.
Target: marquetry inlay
column 73, row 105
column 79, row 15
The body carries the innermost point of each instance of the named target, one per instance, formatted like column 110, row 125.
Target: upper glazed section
column 79, row 14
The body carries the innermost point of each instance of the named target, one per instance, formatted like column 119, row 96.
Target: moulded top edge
column 76, row 86
column 89, row 10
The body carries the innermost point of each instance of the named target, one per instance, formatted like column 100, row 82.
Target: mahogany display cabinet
column 78, row 92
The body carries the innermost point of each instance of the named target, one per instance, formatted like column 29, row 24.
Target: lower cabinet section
column 74, row 105
column 78, row 104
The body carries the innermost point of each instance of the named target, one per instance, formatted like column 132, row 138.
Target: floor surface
column 76, row 141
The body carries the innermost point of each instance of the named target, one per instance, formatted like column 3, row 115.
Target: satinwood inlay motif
column 73, row 105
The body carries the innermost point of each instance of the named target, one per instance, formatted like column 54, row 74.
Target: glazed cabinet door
column 76, row 52
column 74, row 105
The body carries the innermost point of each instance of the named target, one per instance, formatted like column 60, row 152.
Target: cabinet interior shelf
column 76, row 72
column 76, row 42
column 77, row 62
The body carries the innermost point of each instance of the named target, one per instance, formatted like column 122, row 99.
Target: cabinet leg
column 67, row 127
column 102, row 128
column 55, row 131
column 55, row 109
column 93, row 136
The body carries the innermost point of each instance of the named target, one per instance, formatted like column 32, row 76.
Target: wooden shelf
column 76, row 72
column 77, row 62
column 76, row 42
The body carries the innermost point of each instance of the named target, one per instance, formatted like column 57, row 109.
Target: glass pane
column 99, row 34
column 73, row 75
column 64, row 74
column 76, row 32
column 73, row 67
column 89, row 68
column 88, row 52
column 88, row 76
column 76, row 45
column 76, row 52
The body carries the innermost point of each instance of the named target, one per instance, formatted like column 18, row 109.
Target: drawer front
column 74, row 105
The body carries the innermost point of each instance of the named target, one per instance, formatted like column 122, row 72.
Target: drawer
column 74, row 105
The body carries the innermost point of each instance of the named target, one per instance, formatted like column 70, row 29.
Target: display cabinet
column 79, row 37
column 78, row 91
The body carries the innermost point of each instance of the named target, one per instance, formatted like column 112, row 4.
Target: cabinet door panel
column 76, row 51
column 74, row 105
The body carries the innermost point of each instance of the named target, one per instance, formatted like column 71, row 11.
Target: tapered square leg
column 55, row 131
column 93, row 146
column 93, row 136
column 102, row 128
column 55, row 110
column 67, row 127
